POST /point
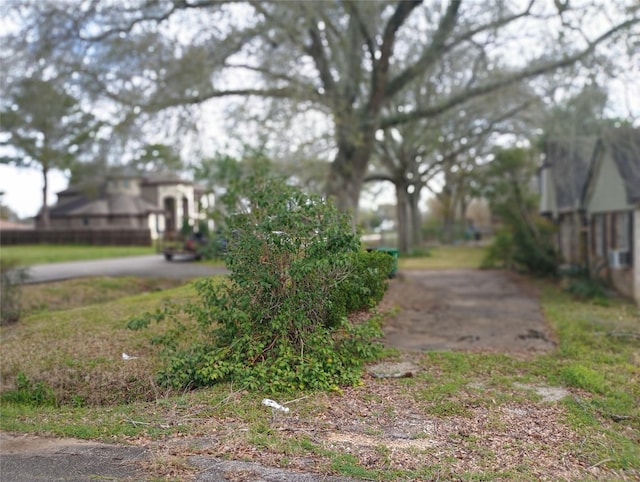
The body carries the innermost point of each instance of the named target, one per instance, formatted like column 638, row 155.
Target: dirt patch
column 465, row 310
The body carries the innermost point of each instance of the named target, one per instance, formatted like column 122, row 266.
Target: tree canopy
column 44, row 127
column 346, row 61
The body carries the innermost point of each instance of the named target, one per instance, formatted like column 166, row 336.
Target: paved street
column 151, row 266
column 28, row 458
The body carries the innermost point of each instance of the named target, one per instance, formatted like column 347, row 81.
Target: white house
column 162, row 203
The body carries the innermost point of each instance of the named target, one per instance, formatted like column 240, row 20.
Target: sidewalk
column 27, row 458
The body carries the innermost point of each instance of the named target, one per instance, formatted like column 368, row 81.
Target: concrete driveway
column 150, row 266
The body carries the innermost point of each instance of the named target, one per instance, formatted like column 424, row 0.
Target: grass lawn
column 446, row 257
column 55, row 253
column 463, row 416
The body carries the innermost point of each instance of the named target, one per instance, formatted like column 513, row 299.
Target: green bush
column 364, row 287
column 533, row 246
column 280, row 323
column 526, row 243
column 500, row 252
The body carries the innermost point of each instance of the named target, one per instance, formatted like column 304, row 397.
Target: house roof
column 624, row 146
column 163, row 178
column 569, row 160
column 115, row 204
column 65, row 206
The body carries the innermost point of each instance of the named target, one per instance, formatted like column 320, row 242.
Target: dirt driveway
column 478, row 310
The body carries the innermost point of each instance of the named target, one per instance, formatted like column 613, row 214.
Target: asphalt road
column 29, row 458
column 151, row 266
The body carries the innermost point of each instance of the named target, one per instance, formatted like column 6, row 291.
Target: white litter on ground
column 275, row 405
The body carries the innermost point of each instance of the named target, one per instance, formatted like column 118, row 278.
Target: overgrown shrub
column 533, row 247
column 526, row 240
column 524, row 245
column 280, row 322
column 499, row 254
column 11, row 277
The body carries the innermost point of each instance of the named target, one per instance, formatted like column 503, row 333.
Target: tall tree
column 447, row 149
column 44, row 127
column 346, row 59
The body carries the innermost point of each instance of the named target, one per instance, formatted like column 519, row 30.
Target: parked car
column 191, row 246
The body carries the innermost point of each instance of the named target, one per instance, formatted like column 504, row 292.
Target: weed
column 579, row 376
column 30, row 393
column 447, row 408
column 12, row 275
column 347, row 465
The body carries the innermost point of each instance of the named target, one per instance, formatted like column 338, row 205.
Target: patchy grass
column 463, row 416
column 64, row 295
column 54, row 253
column 599, row 359
column 77, row 352
column 446, row 257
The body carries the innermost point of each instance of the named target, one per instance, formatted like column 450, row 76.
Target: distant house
column 612, row 205
column 159, row 202
column 563, row 177
column 5, row 224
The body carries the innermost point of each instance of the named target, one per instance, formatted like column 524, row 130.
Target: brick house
column 612, row 208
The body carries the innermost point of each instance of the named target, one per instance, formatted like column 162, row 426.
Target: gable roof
column 152, row 178
column 569, row 160
column 115, row 204
column 623, row 144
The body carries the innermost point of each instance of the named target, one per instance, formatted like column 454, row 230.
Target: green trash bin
column 393, row 252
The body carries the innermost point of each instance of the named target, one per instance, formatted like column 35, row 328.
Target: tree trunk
column 447, row 227
column 44, row 214
column 415, row 218
column 346, row 177
column 402, row 216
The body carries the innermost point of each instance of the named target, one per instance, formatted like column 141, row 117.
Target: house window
column 125, row 183
column 598, row 234
column 85, row 221
column 622, row 231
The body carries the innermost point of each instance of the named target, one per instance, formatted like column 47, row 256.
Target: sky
column 22, row 188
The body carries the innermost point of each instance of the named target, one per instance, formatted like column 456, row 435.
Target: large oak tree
column 346, row 59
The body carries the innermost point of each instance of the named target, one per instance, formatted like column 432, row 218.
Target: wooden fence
column 98, row 237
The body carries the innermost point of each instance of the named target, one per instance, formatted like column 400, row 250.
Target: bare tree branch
column 493, row 85
column 430, row 54
column 381, row 66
